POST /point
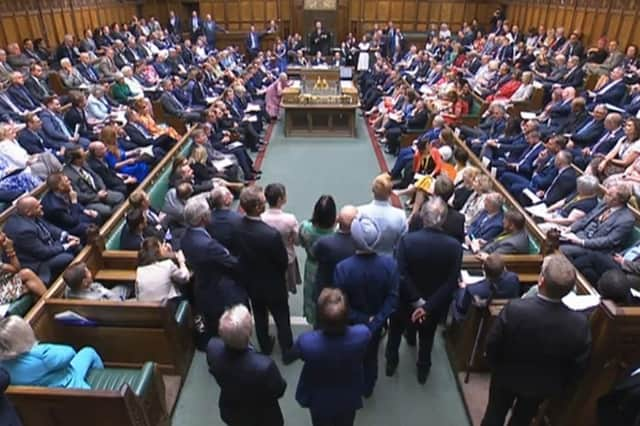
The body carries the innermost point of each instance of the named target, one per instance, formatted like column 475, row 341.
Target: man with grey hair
column 224, row 219
column 604, row 229
column 250, row 383
column 212, row 265
column 537, row 347
column 429, row 263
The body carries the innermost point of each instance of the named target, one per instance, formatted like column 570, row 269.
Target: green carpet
column 344, row 168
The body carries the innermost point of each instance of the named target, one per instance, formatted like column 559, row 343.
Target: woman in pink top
column 287, row 225
column 273, row 95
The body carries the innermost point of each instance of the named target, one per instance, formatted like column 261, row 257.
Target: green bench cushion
column 534, row 246
column 112, row 379
column 21, row 306
column 634, row 237
column 474, row 109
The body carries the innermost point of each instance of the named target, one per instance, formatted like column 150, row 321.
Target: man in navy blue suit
column 263, row 266
column 332, row 380
column 33, row 139
column 213, row 266
column 488, row 223
column 590, row 131
column 253, row 42
column 61, row 207
column 329, row 250
column 563, row 183
column 499, row 283
column 370, row 282
column 612, row 132
column 224, row 220
column 611, row 93
column 522, row 166
column 250, row 383
column 429, row 264
column 40, row 246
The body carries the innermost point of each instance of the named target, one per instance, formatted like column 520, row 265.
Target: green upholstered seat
column 112, row 379
column 21, row 306
column 534, row 246
column 634, row 237
column 474, row 109
column 182, row 312
column 113, row 242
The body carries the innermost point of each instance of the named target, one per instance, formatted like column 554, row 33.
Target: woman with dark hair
column 132, row 233
column 322, row 223
column 160, row 272
column 623, row 154
column 331, row 383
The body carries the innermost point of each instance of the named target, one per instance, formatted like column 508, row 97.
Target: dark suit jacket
column 453, row 224
column 136, row 135
column 332, row 378
column 22, row 98
column 506, row 287
column 607, row 236
column 33, row 143
column 573, row 77
column 176, row 27
column 86, row 193
column 263, row 260
column 329, row 250
column 223, row 224
column 77, row 117
column 109, row 176
column 130, row 240
column 171, row 105
column 563, row 184
column 8, row 415
column 587, row 135
column 429, row 264
column 250, row 385
column 538, row 347
column 62, row 213
column 486, row 227
column 38, row 91
column 614, row 95
column 32, row 244
column 52, row 128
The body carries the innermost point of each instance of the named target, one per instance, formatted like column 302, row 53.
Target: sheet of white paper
column 582, row 302
column 486, row 161
column 539, row 210
column 526, row 115
column 533, row 197
column 470, row 279
column 346, row 84
column 222, row 164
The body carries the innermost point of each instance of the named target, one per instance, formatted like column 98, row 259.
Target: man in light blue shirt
column 391, row 221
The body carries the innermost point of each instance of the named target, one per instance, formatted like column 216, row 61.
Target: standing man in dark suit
column 429, row 264
column 213, row 266
column 210, row 28
column 370, row 282
column 253, row 42
column 331, row 249
column 173, row 24
column 195, row 26
column 250, row 383
column 224, row 220
column 263, row 267
column 40, row 246
column 332, row 379
column 536, row 348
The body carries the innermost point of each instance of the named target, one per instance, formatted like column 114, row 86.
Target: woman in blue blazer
column 331, row 383
column 30, row 363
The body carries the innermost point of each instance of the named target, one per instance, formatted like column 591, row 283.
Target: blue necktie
column 62, row 126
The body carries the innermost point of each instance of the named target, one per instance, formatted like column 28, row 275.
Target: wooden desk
column 336, row 120
column 310, row 73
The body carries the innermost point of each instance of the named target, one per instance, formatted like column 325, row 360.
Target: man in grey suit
column 90, row 187
column 512, row 240
column 107, row 66
column 172, row 106
column 605, row 229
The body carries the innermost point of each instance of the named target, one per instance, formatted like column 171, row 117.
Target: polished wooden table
column 322, row 120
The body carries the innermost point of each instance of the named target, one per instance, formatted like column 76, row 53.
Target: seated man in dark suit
column 536, row 348
column 250, row 383
column 224, row 220
column 488, row 223
column 33, row 139
column 40, row 246
column 55, row 128
column 564, row 182
column 263, row 265
column 512, row 240
column 37, row 85
column 20, row 95
column 590, row 130
column 141, row 137
column 605, row 229
column 329, row 250
column 499, row 283
column 593, row 264
column 62, row 209
column 611, row 93
column 92, row 192
column 174, row 107
column 612, row 132
column 113, row 180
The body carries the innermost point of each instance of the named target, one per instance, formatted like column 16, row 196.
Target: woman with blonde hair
column 31, row 363
column 204, row 170
column 145, row 113
column 129, row 163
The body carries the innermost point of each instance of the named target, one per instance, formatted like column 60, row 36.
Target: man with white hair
column 250, row 382
column 212, row 264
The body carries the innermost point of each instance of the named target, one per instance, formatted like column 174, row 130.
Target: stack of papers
column 467, row 278
column 539, row 210
column 73, row 318
column 530, row 195
column 525, row 115
column 582, row 302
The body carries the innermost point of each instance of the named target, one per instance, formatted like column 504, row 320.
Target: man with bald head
column 112, row 180
column 331, row 249
column 40, row 246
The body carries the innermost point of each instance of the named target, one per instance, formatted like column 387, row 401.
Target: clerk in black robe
column 319, row 40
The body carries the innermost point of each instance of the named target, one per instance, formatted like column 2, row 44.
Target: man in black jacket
column 429, row 263
column 263, row 266
column 112, row 180
column 536, row 348
column 250, row 383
